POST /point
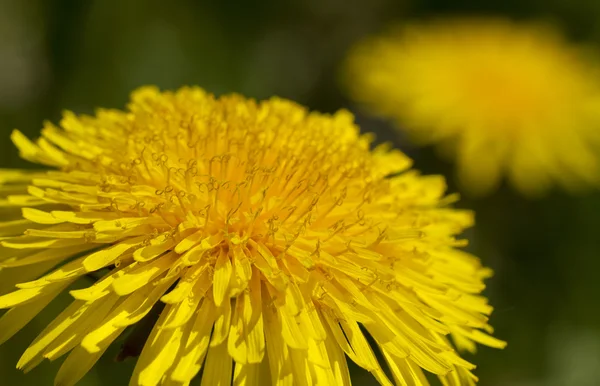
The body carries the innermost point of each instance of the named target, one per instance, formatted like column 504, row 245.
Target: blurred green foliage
column 74, row 54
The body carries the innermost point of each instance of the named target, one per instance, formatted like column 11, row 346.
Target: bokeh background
column 77, row 54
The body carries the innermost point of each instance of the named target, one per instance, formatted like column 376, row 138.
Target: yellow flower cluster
column 278, row 242
column 503, row 99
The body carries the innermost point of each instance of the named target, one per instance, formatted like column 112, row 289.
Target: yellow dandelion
column 278, row 242
column 507, row 100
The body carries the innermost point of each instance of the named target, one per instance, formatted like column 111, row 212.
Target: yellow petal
column 310, row 318
column 277, row 351
column 49, row 255
column 337, row 362
column 290, row 328
column 159, row 352
column 218, row 367
column 27, row 149
column 23, row 296
column 246, row 342
column 124, row 223
column 59, row 234
column 77, row 364
column 387, row 339
column 83, row 218
column 266, row 262
column 16, row 318
column 317, row 354
column 359, row 344
column 16, row 175
column 404, row 371
column 186, row 283
column 142, row 274
column 247, row 375
column 318, row 363
column 189, row 242
column 101, row 287
column 293, row 299
column 40, row 217
column 222, row 323
column 70, row 315
column 157, row 247
column 91, row 317
column 67, row 272
column 107, row 256
column 26, row 242
column 354, row 344
column 221, row 278
column 301, row 368
column 130, row 311
column 297, row 270
column 209, row 243
column 21, row 200
column 15, row 227
column 183, row 311
column 479, row 337
column 196, row 344
column 242, row 267
column 10, row 277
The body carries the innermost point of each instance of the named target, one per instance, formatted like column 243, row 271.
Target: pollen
column 278, row 240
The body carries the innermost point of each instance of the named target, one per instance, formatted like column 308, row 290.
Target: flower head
column 275, row 238
column 506, row 99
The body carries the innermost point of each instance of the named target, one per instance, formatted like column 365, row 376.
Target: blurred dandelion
column 503, row 99
column 277, row 240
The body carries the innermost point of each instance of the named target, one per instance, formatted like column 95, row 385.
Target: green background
column 81, row 54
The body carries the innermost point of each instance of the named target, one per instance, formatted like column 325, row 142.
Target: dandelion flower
column 279, row 243
column 503, row 99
